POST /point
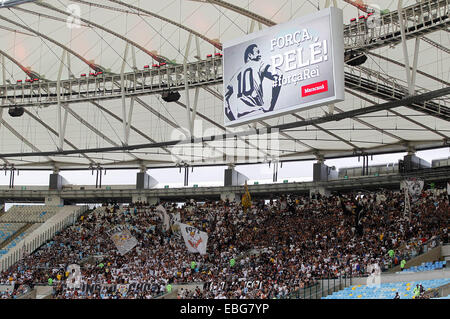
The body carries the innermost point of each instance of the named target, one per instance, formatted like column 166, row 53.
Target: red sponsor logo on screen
column 315, row 88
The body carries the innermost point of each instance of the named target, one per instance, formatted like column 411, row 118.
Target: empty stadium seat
column 9, row 229
column 426, row 266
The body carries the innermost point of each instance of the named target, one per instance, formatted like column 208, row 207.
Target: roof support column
column 3, row 69
column 133, row 57
column 412, row 85
column 232, row 178
column 128, row 120
column 1, row 113
column 321, row 175
column 190, row 117
column 70, row 74
column 61, row 123
column 188, row 104
column 4, row 83
column 328, row 3
column 252, row 26
column 412, row 162
column 144, row 181
column 56, row 181
column 122, row 87
column 321, row 172
column 402, row 32
column 410, row 75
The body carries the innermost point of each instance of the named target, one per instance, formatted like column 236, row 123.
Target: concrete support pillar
column 145, row 181
column 323, row 173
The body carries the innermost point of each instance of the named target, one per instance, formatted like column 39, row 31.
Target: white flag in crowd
column 194, row 239
column 123, row 239
column 415, row 187
column 165, row 217
column 448, row 188
column 175, row 219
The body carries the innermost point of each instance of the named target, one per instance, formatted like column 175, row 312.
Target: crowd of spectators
column 277, row 247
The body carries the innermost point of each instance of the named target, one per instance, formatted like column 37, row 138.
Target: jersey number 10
column 245, row 78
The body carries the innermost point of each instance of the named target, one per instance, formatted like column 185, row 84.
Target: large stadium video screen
column 286, row 68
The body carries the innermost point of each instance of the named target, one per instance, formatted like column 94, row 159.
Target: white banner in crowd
column 165, row 217
column 123, row 239
column 194, row 239
column 448, row 188
column 415, row 187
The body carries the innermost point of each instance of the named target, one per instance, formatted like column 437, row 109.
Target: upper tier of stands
column 21, row 220
column 9, row 229
column 29, row 214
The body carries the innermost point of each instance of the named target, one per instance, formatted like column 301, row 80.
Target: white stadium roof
column 38, row 40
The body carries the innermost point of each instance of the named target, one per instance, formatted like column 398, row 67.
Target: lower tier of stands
column 386, row 290
column 18, row 239
column 426, row 267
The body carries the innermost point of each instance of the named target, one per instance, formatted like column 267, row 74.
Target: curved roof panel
column 74, row 40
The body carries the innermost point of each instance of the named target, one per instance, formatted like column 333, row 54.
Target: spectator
column 416, row 292
column 402, row 264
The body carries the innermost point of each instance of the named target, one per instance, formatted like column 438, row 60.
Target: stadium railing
column 321, row 288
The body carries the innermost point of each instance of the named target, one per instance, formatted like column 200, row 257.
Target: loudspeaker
column 354, row 59
column 170, row 96
column 16, row 111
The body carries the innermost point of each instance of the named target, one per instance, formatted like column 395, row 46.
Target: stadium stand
column 34, row 221
column 295, row 242
column 21, row 220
